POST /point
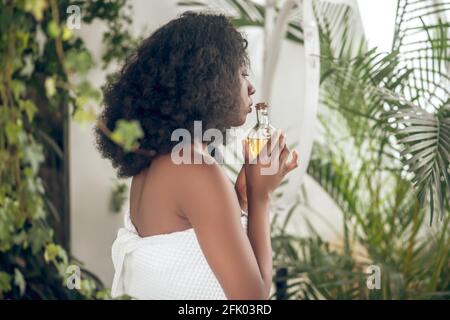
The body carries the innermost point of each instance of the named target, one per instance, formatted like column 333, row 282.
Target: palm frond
column 425, row 138
column 422, row 37
column 365, row 92
column 246, row 13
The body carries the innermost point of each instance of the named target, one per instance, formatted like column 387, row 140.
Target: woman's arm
column 258, row 227
column 209, row 202
column 240, row 187
column 259, row 235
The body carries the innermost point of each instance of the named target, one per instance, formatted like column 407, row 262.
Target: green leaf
column 19, row 281
column 13, row 132
column 66, row 33
column 50, row 87
column 127, row 133
column 78, row 61
column 5, row 282
column 53, row 252
column 425, row 138
column 18, row 88
column 53, row 29
column 29, row 108
column 36, row 8
column 33, row 155
column 84, row 116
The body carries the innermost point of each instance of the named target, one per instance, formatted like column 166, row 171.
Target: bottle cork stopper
column 261, row 105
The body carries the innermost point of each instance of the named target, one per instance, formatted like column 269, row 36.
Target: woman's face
column 247, row 90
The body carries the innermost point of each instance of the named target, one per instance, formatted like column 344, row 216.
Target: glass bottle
column 261, row 132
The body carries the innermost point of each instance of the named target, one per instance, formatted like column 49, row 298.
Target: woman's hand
column 265, row 172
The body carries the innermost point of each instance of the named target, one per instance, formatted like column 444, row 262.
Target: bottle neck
column 262, row 116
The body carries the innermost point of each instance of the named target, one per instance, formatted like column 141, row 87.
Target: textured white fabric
column 168, row 266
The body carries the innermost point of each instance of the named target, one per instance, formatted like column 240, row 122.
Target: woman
column 186, row 235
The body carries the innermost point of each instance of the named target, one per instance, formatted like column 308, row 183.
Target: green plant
column 382, row 225
column 381, row 149
column 40, row 57
column 118, row 196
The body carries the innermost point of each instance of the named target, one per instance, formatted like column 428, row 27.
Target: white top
column 167, row 266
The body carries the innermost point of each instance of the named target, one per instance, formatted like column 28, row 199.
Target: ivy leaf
column 38, row 238
column 85, row 93
column 127, row 133
column 86, row 89
column 118, row 196
column 33, row 154
column 53, row 29
column 21, row 239
column 84, row 115
column 50, row 87
column 5, row 282
column 66, row 33
column 29, row 108
column 79, row 61
column 53, row 252
column 18, row 88
column 13, row 130
column 87, row 287
column 22, row 39
column 28, row 67
column 19, row 281
column 36, row 8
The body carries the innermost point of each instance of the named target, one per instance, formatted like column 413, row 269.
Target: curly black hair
column 187, row 70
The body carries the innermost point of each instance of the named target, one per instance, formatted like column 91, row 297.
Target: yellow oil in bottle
column 259, row 135
column 255, row 145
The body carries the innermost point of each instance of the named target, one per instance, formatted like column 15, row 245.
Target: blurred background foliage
column 384, row 160
column 43, row 83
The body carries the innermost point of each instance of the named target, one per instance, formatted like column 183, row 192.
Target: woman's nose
column 251, row 89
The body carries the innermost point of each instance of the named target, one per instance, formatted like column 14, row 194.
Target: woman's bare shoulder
column 195, row 179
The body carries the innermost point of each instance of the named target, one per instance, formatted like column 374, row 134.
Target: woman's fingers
column 286, row 167
column 284, row 155
column 275, row 148
column 293, row 163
